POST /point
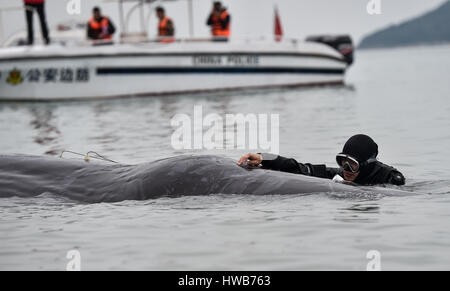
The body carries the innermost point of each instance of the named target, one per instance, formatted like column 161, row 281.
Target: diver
column 100, row 27
column 219, row 20
column 166, row 29
column 357, row 163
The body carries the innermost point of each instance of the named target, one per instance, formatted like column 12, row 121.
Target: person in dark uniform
column 357, row 163
column 37, row 6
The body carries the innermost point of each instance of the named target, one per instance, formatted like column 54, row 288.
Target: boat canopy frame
column 6, row 9
column 125, row 16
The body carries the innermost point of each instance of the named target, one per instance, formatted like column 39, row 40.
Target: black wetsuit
column 373, row 174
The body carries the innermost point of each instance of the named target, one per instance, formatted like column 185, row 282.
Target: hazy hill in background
column 430, row 28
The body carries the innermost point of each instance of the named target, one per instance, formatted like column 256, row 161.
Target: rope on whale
column 88, row 156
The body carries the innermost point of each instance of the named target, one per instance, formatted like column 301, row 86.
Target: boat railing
column 9, row 9
column 4, row 42
column 142, row 39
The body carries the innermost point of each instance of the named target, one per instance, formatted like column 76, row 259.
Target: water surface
column 399, row 97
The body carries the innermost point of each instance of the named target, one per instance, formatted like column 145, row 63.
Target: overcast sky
column 250, row 17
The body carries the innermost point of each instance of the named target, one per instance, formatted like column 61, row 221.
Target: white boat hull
column 59, row 73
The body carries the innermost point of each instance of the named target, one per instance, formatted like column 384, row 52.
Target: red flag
column 278, row 29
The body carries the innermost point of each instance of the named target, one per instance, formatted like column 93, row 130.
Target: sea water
column 397, row 96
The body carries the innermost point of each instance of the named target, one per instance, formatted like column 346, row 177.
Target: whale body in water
column 30, row 176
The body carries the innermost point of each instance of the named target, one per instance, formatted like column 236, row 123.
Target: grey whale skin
column 30, row 176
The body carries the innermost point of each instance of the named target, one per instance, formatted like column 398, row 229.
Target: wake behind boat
column 64, row 71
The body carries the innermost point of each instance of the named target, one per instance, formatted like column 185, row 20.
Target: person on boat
column 357, row 163
column 37, row 6
column 220, row 22
column 100, row 27
column 166, row 29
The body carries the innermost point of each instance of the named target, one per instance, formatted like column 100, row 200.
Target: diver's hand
column 253, row 159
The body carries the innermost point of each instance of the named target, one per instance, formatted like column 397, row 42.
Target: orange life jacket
column 217, row 29
column 100, row 26
column 163, row 30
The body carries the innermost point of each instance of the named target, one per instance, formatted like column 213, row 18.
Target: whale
column 32, row 176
